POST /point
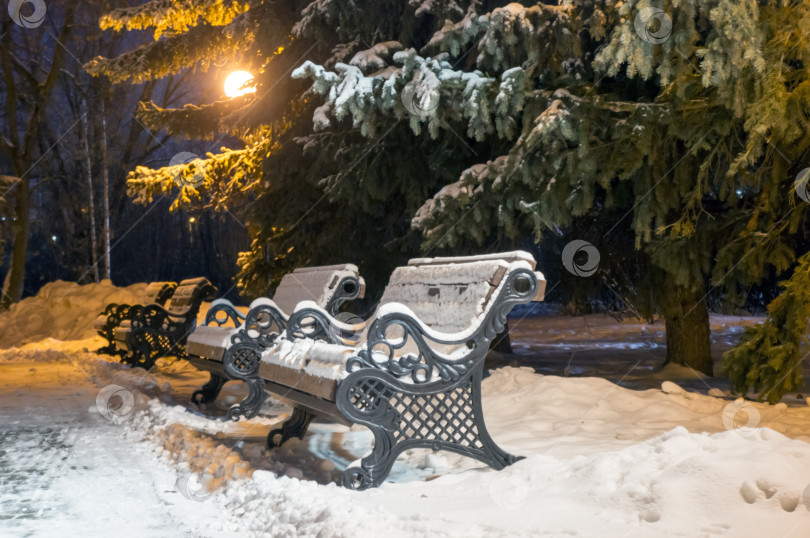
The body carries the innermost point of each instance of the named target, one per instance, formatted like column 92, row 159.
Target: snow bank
column 63, row 311
column 600, row 460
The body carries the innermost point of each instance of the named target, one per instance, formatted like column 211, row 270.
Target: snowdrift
column 600, row 459
column 62, row 311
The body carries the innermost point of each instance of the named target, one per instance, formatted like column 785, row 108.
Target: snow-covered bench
column 412, row 374
column 154, row 331
column 106, row 322
column 328, row 286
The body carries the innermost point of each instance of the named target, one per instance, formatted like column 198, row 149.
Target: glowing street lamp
column 235, row 82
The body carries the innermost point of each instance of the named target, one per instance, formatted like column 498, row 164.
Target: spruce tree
column 687, row 117
column 674, row 128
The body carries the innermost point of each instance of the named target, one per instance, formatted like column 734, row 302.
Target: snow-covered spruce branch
column 202, row 122
column 487, row 105
column 566, row 132
column 768, row 359
column 511, row 35
column 724, row 57
column 173, row 16
column 200, row 48
column 219, row 181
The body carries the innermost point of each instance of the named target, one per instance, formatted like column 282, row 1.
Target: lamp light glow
column 235, row 82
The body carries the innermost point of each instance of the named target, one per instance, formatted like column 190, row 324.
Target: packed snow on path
column 93, row 448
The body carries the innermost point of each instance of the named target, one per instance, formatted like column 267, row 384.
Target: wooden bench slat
column 509, row 257
column 446, row 297
column 317, row 284
column 310, row 403
column 299, row 380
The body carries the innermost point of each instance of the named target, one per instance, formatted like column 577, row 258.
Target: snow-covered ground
column 93, row 448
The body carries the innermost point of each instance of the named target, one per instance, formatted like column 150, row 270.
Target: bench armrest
column 348, row 289
column 154, row 316
column 379, row 350
column 263, row 323
column 115, row 307
column 119, row 311
column 311, row 321
column 221, row 311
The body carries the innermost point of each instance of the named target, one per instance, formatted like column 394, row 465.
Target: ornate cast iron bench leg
column 440, row 407
column 107, row 332
column 295, row 426
column 146, row 346
column 241, row 362
column 115, row 314
column 439, row 416
column 209, row 392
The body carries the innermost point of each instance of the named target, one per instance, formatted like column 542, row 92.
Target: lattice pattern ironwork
column 148, row 346
column 155, row 332
column 445, row 416
column 245, row 359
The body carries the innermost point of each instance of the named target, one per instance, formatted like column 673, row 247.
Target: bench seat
column 328, row 287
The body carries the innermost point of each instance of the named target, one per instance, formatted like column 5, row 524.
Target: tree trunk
column 687, row 325
column 88, row 163
column 15, row 278
column 105, row 163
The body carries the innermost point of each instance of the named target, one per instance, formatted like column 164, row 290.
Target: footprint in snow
column 764, row 489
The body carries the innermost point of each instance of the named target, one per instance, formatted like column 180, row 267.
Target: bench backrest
column 158, row 293
column 328, row 286
column 191, row 293
column 450, row 294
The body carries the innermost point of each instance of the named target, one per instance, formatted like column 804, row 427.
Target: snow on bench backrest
column 186, row 294
column 316, row 284
column 157, row 292
column 450, row 294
